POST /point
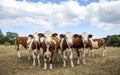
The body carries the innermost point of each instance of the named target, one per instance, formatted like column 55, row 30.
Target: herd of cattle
column 62, row 46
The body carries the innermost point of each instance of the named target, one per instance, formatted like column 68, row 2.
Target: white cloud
column 105, row 14
column 40, row 14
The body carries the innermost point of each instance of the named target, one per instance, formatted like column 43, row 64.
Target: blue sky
column 97, row 17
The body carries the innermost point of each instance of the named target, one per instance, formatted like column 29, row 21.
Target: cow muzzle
column 47, row 54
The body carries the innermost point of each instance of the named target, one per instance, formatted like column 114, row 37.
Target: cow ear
column 90, row 36
column 39, row 34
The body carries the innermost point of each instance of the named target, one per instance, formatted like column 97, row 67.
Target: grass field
column 11, row 65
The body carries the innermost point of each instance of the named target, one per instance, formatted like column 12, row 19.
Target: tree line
column 9, row 38
column 113, row 40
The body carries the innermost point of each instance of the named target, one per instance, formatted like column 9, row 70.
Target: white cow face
column 48, row 36
column 47, row 40
column 69, row 38
column 30, row 41
column 84, row 36
column 36, row 37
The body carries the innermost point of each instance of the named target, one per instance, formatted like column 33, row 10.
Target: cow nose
column 47, row 55
column 69, row 43
column 86, row 41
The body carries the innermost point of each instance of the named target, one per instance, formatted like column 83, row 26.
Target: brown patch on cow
column 101, row 42
column 22, row 41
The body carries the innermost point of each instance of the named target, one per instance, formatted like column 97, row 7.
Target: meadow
column 97, row 65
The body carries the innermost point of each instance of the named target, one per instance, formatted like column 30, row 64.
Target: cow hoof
column 72, row 66
column 51, row 68
column 45, row 68
column 84, row 63
column 33, row 64
column 29, row 58
column 64, row 65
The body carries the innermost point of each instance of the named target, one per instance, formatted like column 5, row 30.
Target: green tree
column 2, row 38
column 113, row 40
column 10, row 36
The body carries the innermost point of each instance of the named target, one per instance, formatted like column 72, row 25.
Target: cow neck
column 91, row 40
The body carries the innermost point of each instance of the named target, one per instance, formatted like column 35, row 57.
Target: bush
column 6, row 43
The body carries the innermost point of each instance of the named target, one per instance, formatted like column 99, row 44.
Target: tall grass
column 11, row 65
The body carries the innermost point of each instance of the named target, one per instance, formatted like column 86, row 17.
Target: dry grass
column 11, row 65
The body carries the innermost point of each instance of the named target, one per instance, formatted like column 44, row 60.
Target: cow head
column 48, row 37
column 41, row 36
column 54, row 35
column 62, row 36
column 30, row 40
column 36, row 37
column 69, row 38
column 75, row 35
column 85, row 37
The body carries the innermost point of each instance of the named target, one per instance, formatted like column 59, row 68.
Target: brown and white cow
column 78, row 46
column 85, row 39
column 49, row 46
column 66, row 45
column 96, row 44
column 58, row 50
column 90, row 43
column 20, row 41
column 34, row 45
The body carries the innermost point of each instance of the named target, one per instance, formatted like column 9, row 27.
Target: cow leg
column 18, row 53
column 103, row 52
column 83, row 56
column 89, row 52
column 59, row 55
column 45, row 63
column 71, row 58
column 51, row 62
column 78, row 60
column 34, row 57
column 64, row 58
column 38, row 58
column 92, row 53
column 29, row 54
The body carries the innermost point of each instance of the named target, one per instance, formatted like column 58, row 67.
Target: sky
column 97, row 17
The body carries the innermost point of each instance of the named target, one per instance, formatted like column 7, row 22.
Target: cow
column 58, row 50
column 20, row 41
column 85, row 39
column 49, row 46
column 78, row 46
column 96, row 44
column 66, row 42
column 34, row 46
